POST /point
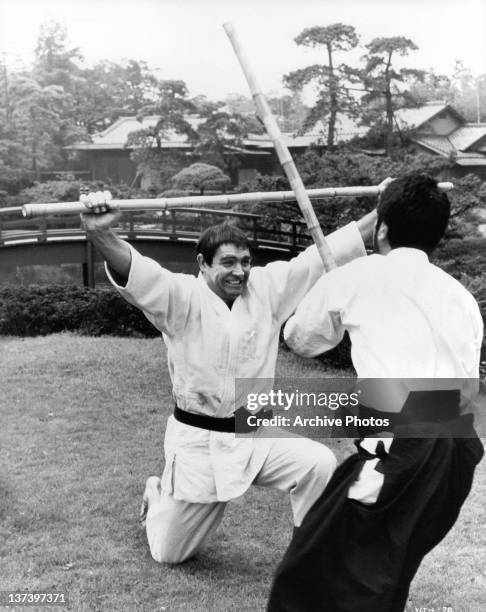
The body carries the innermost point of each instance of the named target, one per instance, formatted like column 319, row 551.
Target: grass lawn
column 82, row 423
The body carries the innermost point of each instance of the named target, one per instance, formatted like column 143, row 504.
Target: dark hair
column 216, row 235
column 415, row 211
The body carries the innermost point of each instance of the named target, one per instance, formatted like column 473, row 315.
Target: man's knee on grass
column 169, row 557
column 163, row 552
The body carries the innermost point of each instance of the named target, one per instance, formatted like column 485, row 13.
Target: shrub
column 344, row 167
column 174, row 193
column 68, row 191
column 462, row 256
column 200, row 176
column 51, row 191
column 40, row 310
column 477, row 286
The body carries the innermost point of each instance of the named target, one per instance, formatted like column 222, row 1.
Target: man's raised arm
column 98, row 222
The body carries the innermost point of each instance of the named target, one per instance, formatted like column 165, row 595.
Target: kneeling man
column 218, row 327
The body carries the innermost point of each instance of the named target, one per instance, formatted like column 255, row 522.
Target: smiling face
column 228, row 274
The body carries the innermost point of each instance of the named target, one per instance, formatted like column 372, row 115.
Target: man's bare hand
column 100, row 214
column 384, row 184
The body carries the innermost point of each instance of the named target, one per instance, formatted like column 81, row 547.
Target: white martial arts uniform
column 393, row 306
column 208, row 347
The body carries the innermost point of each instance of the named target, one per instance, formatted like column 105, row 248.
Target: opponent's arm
column 287, row 282
column 366, row 226
column 316, row 326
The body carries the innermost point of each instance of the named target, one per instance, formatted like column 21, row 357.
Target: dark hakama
column 352, row 557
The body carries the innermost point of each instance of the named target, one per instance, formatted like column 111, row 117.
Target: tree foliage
column 56, row 62
column 465, row 92
column 36, row 111
column 343, row 168
column 171, row 107
column 219, row 135
column 198, row 177
column 60, row 101
column 111, row 90
column 36, row 127
column 330, row 80
column 381, row 80
column 288, row 109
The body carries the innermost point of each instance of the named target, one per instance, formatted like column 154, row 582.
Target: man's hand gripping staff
column 98, row 220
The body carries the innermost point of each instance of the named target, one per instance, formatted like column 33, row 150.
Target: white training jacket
column 407, row 319
column 209, row 346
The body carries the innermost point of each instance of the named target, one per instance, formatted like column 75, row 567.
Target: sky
column 184, row 39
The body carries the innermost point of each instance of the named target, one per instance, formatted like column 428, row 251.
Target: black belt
column 238, row 423
column 434, row 406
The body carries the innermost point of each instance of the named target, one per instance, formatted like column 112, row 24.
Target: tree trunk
column 389, row 108
column 35, row 165
column 333, row 102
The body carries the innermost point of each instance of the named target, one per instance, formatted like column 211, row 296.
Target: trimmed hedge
column 35, row 310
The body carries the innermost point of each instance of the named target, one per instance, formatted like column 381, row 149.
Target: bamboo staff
column 161, row 204
column 282, row 151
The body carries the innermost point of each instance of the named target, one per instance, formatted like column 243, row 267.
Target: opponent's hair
column 216, row 235
column 415, row 211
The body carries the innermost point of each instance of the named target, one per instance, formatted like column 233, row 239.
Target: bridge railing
column 14, row 227
column 174, row 224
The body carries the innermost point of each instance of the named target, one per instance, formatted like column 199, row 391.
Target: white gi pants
column 176, row 529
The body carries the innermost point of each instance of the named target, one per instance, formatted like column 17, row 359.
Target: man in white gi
column 218, row 327
column 360, row 545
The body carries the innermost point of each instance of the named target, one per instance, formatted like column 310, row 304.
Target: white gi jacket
column 407, row 319
column 209, row 346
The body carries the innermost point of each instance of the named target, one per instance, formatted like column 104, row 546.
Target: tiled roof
column 415, row 117
column 115, row 137
column 117, row 133
column 457, row 143
column 262, row 141
column 443, row 146
column 465, row 136
column 470, row 159
column 346, row 129
column 439, row 144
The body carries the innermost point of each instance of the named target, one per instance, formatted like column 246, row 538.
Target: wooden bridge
column 168, row 237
